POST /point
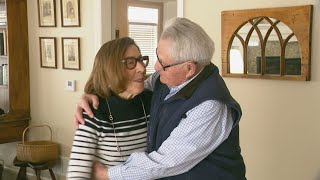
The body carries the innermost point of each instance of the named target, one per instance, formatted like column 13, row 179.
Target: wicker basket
column 37, row 151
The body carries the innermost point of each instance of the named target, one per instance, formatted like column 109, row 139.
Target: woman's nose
column 140, row 66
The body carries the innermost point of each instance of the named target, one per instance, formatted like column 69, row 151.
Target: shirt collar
column 175, row 89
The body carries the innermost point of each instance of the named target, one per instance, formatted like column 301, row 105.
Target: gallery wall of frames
column 70, row 46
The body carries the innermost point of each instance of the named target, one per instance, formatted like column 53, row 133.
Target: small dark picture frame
column 47, row 13
column 70, row 13
column 48, row 52
column 3, row 41
column 71, row 53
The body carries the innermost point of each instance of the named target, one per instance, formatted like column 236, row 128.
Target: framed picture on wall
column 3, row 41
column 71, row 53
column 47, row 13
column 70, row 13
column 48, row 53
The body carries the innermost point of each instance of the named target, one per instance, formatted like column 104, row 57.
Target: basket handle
column 25, row 130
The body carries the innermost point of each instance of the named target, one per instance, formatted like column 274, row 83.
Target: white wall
column 169, row 10
column 279, row 130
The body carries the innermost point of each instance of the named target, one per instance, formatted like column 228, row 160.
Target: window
column 144, row 27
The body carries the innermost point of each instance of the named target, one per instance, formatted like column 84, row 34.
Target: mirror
column 265, row 38
column 267, row 43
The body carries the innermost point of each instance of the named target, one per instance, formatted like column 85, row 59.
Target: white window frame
column 153, row 5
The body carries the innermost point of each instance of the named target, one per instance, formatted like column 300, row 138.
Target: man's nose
column 157, row 66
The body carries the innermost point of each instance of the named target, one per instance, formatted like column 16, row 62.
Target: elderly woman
column 119, row 125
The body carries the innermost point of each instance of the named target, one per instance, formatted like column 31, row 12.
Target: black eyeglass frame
column 167, row 66
column 142, row 59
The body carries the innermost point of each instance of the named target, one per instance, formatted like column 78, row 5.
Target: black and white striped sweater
column 95, row 140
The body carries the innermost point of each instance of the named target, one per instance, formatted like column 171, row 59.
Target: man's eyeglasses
column 131, row 62
column 167, row 66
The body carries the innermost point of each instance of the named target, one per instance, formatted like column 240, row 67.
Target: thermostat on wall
column 70, row 85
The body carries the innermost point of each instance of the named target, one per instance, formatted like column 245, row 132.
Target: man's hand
column 83, row 104
column 99, row 171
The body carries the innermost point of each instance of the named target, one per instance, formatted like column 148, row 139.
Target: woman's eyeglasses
column 131, row 62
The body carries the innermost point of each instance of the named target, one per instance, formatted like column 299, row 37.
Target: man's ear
column 191, row 69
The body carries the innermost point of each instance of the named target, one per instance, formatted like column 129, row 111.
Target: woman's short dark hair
column 108, row 71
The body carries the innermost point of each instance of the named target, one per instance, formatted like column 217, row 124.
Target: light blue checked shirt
column 199, row 134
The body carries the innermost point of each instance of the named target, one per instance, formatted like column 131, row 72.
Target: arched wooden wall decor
column 270, row 43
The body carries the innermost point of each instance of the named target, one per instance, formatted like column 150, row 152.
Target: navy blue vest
column 225, row 162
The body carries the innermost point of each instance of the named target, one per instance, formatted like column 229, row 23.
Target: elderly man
column 193, row 132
